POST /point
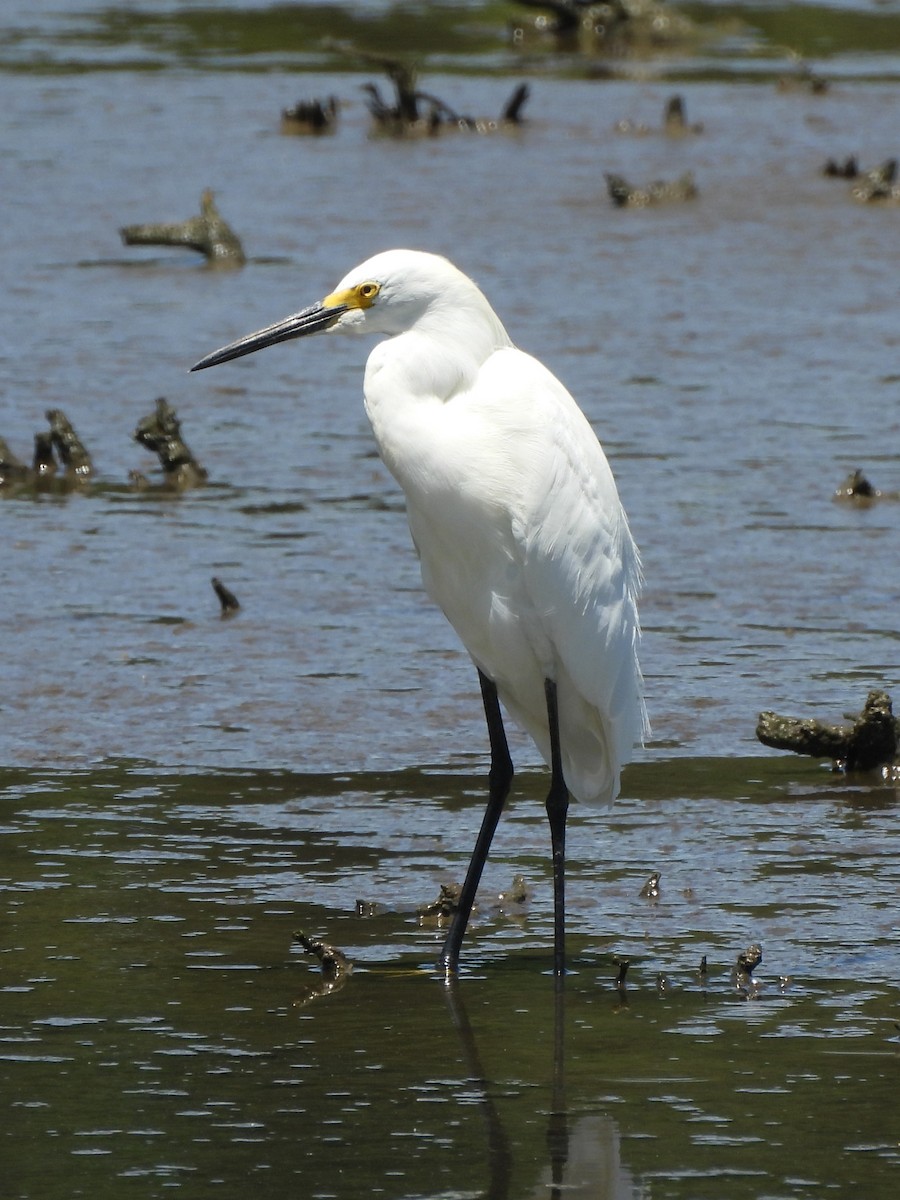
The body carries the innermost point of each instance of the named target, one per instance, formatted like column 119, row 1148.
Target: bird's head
column 386, row 294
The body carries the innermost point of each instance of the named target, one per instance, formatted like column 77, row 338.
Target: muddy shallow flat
column 162, row 1028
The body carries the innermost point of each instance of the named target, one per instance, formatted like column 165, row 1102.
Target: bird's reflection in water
column 558, row 1124
column 584, row 1160
column 593, row 1169
column 499, row 1151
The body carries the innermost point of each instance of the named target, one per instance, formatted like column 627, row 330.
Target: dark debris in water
column 650, row 890
column 228, row 602
column 510, row 902
column 160, row 432
column 743, row 978
column 444, row 905
column 674, row 122
column 311, row 117
column 626, row 195
column 857, row 489
column 208, row 233
column 73, row 456
column 334, row 962
column 869, row 743
column 336, row 969
column 748, row 960
column 739, row 978
column 516, row 895
column 876, row 185
column 60, row 461
column 415, row 112
column 848, row 169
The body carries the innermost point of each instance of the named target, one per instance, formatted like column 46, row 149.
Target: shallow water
column 180, row 794
column 160, row 1031
column 737, row 356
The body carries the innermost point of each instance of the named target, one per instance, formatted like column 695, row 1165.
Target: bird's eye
column 367, row 291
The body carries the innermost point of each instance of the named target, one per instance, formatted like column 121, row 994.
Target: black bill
column 308, row 320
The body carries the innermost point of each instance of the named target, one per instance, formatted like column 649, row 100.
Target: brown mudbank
column 209, row 234
column 869, row 743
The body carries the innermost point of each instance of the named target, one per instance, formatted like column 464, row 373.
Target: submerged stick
column 209, row 234
column 445, row 905
column 334, row 961
column 624, row 195
column 650, row 890
column 227, row 599
column 161, row 433
column 43, row 463
column 878, row 184
column 12, row 469
column 336, row 968
column 310, row 116
column 416, row 112
column 68, row 445
column 870, row 742
column 54, row 448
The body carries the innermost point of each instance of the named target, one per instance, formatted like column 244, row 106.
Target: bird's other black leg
column 557, row 808
column 499, row 781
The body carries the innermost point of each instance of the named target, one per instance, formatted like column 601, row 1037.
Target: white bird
column 515, row 516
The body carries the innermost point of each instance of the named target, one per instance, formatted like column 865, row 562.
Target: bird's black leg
column 557, row 807
column 499, row 782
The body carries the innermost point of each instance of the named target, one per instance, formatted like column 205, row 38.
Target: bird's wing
column 580, row 565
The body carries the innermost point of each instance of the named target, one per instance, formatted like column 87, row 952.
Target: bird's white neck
column 439, row 355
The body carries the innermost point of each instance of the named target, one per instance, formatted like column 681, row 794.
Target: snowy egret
column 515, row 516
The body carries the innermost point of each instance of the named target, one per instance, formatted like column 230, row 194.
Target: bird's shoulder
column 560, row 462
column 513, row 381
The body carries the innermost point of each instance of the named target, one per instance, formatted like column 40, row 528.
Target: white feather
column 513, row 509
